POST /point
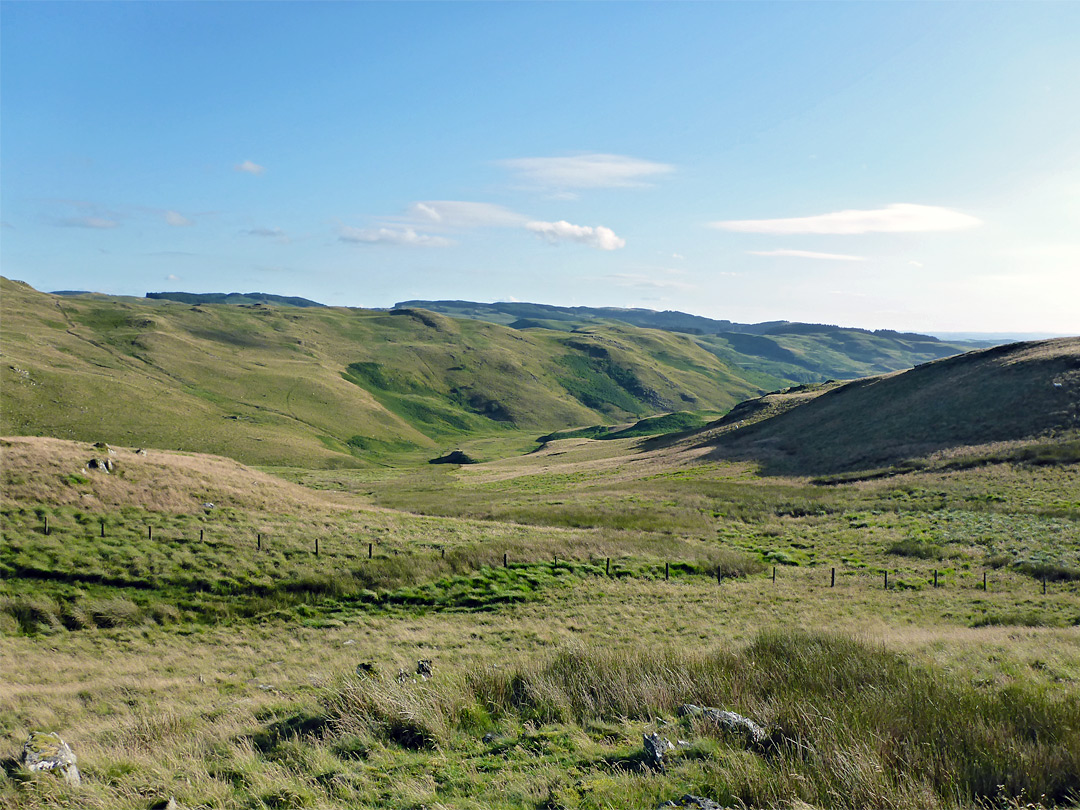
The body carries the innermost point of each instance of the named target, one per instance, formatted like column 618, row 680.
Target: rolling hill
column 327, row 386
column 1020, row 392
column 787, row 352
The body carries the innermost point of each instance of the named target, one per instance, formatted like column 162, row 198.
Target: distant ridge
column 232, row 298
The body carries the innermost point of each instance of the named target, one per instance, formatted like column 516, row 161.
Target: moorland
column 882, row 573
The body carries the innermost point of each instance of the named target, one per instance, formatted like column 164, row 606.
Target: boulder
column 45, row 751
column 105, row 464
column 423, row 668
column 655, row 748
column 753, row 734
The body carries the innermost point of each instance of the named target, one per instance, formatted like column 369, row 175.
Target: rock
column 207, row 506
column 45, row 751
column 655, row 748
column 402, row 676
column 751, row 732
column 689, row 800
column 423, row 668
column 140, row 452
column 105, row 447
column 365, row 669
column 489, row 738
column 106, row 464
column 690, row 710
column 455, row 457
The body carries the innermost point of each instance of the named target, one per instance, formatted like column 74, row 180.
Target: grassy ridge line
column 325, row 386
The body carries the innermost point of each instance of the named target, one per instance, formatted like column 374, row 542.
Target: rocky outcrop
column 45, row 751
column 454, row 457
column 103, row 464
column 655, row 748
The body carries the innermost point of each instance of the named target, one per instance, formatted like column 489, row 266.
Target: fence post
column 886, row 580
column 719, row 576
column 667, row 572
column 607, row 568
column 774, row 573
column 370, row 547
column 258, row 540
column 149, row 532
column 506, row 562
column 46, row 524
column 984, row 581
column 935, row 577
column 1044, row 584
column 442, row 549
column 200, row 535
column 832, row 580
column 103, row 529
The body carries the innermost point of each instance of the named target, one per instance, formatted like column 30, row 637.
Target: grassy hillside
column 326, row 386
column 1010, row 393
column 778, row 352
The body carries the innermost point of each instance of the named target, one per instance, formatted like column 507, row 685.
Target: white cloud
column 100, row 223
column 914, row 263
column 249, row 167
column 172, row 277
column 460, row 214
column 598, row 237
column 392, row 236
column 641, row 280
column 586, row 171
column 177, row 220
column 895, row 218
column 808, row 254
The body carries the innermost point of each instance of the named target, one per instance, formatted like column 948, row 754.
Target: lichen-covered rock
column 655, row 748
column 423, row 668
column 45, row 751
column 106, row 464
column 753, row 734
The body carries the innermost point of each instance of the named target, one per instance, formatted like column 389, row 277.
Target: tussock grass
column 850, row 725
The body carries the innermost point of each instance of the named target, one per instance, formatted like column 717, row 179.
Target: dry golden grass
column 53, row 471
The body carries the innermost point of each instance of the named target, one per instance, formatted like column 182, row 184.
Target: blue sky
column 884, row 165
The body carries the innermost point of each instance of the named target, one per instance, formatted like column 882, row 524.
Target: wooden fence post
column 886, row 580
column 667, row 572
column 1044, row 584
column 316, row 546
column 370, row 549
column 774, row 573
column 103, row 529
column 607, row 568
column 149, row 532
column 832, row 581
column 719, row 576
column 506, row 561
column 935, row 577
column 984, row 580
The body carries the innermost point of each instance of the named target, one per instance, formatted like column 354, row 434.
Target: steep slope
column 1016, row 392
column 324, row 386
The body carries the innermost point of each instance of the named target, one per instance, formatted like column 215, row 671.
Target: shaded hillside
column 1015, row 392
column 234, row 298
column 326, row 386
column 784, row 352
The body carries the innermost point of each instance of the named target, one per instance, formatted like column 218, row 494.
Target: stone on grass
column 655, row 748
column 423, row 668
column 106, row 464
column 45, row 751
column 753, row 734
column 692, row 802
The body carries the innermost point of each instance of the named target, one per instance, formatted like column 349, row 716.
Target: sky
column 911, row 166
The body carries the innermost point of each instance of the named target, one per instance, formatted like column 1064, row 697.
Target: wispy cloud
column 594, row 170
column 100, row 223
column 808, row 254
column 391, row 236
column 177, row 220
column 462, row 214
column 276, row 234
column 172, row 277
column 895, row 218
column 249, row 167
column 643, row 281
column 557, row 232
